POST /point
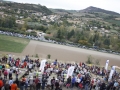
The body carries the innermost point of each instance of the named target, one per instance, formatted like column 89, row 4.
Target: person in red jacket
column 1, row 83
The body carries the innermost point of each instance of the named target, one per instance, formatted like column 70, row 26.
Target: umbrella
column 7, row 66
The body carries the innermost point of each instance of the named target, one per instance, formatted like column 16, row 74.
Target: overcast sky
column 112, row 5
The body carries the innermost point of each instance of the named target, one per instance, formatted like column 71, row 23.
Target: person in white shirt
column 10, row 73
column 77, row 82
column 10, row 81
column 30, row 66
column 31, row 83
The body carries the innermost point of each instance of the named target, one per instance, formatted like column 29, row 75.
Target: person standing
column 43, row 82
column 102, row 86
column 31, row 83
column 52, row 83
column 68, row 82
column 10, row 81
column 87, row 83
column 30, row 66
column 1, row 83
column 48, row 83
column 7, row 86
column 37, row 81
column 10, row 73
column 57, row 84
column 5, row 74
column 13, row 86
column 73, row 82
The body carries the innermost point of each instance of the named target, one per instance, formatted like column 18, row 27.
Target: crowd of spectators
column 84, row 77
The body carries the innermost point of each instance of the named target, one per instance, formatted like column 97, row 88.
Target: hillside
column 32, row 7
column 88, row 27
column 95, row 9
column 90, row 9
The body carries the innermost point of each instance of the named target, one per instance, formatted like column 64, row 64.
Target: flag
column 70, row 71
column 106, row 65
column 42, row 65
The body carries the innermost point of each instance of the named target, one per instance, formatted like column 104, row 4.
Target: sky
column 112, row 5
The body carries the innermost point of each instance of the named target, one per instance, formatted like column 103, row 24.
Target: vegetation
column 32, row 7
column 12, row 44
column 89, row 60
column 48, row 56
column 99, row 28
column 95, row 9
column 97, row 62
column 36, row 56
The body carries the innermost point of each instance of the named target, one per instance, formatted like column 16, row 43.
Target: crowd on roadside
column 84, row 77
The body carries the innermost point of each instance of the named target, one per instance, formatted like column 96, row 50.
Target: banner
column 70, row 71
column 111, row 72
column 42, row 65
column 106, row 65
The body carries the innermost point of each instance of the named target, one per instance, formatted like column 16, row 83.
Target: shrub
column 48, row 56
column 36, row 56
column 89, row 60
column 97, row 62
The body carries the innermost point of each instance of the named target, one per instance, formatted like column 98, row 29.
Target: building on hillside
column 37, row 14
column 29, row 30
column 1, row 13
column 39, row 34
column 20, row 22
column 21, row 17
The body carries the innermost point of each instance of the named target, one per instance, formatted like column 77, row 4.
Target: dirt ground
column 66, row 54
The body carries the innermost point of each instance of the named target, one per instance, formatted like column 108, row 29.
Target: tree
column 48, row 56
column 59, row 34
column 107, row 41
column 70, row 34
column 96, row 37
column 89, row 60
column 83, row 42
column 90, row 40
column 23, row 29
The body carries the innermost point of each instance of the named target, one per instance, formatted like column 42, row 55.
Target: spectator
column 7, row 86
column 1, row 83
column 52, row 83
column 13, row 86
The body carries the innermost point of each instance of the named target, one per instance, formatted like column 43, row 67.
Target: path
column 66, row 53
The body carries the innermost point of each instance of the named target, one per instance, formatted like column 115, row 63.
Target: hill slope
column 26, row 6
column 95, row 9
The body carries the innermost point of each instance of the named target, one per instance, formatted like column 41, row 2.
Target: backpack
column 5, row 73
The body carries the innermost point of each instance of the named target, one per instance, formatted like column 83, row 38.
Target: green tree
column 96, row 37
column 107, row 41
column 89, row 60
column 59, row 34
column 70, row 34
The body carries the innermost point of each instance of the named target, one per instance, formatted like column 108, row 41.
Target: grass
column 117, row 22
column 12, row 44
column 33, row 23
